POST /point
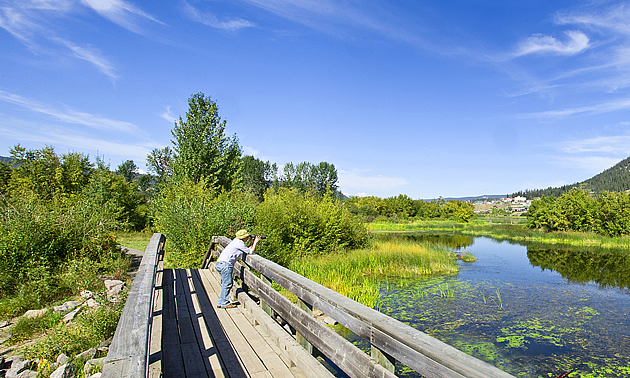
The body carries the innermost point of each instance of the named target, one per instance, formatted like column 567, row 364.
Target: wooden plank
column 127, row 355
column 265, row 352
column 223, row 349
column 194, row 363
column 247, row 355
column 204, row 340
column 155, row 343
column 172, row 361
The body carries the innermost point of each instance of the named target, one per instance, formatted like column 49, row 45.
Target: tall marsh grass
column 356, row 273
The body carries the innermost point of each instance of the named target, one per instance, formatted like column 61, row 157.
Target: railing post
column 383, row 359
column 298, row 337
column 264, row 305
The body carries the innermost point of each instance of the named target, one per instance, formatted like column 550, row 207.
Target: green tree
column 320, row 178
column 159, row 163
column 201, row 148
column 128, row 170
column 256, row 176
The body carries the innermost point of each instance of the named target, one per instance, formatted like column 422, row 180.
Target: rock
column 4, row 337
column 91, row 303
column 86, row 294
column 111, row 284
column 70, row 316
column 28, row 374
column 96, row 375
column 32, row 314
column 4, row 323
column 17, row 366
column 85, row 356
column 67, row 306
column 105, row 343
column 62, row 359
column 114, row 288
column 1, row 362
column 93, row 363
column 65, row 371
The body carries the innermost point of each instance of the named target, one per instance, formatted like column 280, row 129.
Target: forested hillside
column 615, row 179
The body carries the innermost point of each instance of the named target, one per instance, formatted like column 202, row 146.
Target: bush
column 299, row 224
column 189, row 215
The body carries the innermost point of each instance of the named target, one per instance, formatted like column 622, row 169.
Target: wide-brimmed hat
column 242, row 234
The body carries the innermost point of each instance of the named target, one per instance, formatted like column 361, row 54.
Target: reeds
column 356, row 273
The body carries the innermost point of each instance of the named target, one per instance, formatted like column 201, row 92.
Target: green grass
column 508, row 231
column 135, row 240
column 356, row 273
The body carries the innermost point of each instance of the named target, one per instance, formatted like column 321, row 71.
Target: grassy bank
column 355, row 273
column 508, row 228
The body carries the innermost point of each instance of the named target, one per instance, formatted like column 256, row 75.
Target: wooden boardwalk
column 190, row 337
column 170, row 327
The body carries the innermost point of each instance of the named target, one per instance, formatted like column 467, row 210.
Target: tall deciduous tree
column 201, row 148
column 128, row 170
column 159, row 162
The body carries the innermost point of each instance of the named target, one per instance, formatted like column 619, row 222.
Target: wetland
column 533, row 310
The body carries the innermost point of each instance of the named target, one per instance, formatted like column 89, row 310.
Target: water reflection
column 606, row 268
column 533, row 311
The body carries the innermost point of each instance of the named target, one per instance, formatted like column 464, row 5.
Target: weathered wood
column 127, row 356
column 417, row 350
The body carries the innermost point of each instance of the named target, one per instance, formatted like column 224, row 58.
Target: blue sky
column 427, row 99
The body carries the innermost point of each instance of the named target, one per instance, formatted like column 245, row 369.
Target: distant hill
column 615, row 179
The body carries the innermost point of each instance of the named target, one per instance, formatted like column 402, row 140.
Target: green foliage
column 317, row 178
column 190, row 214
column 108, row 189
column 159, row 163
column 577, row 210
column 301, row 223
column 128, row 170
column 256, row 176
column 201, row 149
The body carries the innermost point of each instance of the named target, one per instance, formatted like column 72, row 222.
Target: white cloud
column 211, row 20
column 538, row 44
column 121, row 13
column 167, row 115
column 619, row 145
column 606, row 107
column 356, row 181
column 70, row 116
column 250, row 151
column 91, row 55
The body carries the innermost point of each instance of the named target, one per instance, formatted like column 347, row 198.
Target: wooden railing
column 390, row 339
column 128, row 353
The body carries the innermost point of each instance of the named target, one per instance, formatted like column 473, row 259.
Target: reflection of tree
column 454, row 241
column 606, row 268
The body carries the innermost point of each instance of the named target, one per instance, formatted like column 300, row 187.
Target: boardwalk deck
column 190, row 337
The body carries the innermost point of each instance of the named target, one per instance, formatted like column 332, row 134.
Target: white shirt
column 234, row 251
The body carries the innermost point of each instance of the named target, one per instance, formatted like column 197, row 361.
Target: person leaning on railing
column 225, row 264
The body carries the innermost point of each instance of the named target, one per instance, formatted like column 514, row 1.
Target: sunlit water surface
column 529, row 321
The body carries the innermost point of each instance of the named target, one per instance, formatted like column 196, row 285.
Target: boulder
column 86, row 294
column 67, row 306
column 62, row 359
column 114, row 288
column 84, row 356
column 96, row 375
column 65, row 371
column 93, row 363
column 70, row 316
column 18, row 365
column 28, row 374
column 32, row 314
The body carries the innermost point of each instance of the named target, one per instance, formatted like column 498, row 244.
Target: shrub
column 299, row 224
column 189, row 215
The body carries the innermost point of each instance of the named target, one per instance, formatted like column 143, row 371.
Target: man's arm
column 253, row 247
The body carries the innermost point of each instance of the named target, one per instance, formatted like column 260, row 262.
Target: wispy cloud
column 91, row 55
column 69, row 116
column 612, row 106
column 539, row 44
column 121, row 13
column 211, row 20
column 167, row 115
column 356, row 181
column 619, row 145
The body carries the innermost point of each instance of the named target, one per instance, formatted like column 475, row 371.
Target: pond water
column 531, row 310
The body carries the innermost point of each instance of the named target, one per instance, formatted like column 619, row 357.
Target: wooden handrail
column 127, row 355
column 419, row 351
